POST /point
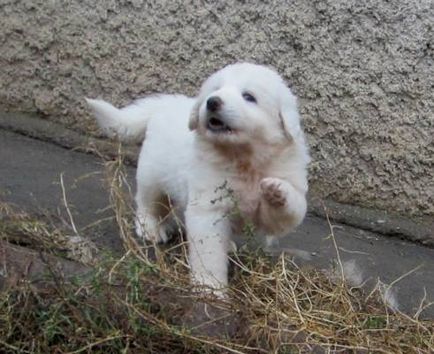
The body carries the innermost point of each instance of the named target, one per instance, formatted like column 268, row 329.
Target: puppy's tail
column 128, row 123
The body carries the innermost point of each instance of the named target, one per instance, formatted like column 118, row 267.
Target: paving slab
column 30, row 173
column 30, row 178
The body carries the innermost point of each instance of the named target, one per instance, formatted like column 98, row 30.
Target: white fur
column 255, row 173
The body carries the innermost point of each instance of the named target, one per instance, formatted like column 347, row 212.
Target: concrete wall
column 363, row 71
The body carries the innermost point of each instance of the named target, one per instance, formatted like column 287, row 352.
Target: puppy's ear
column 288, row 114
column 194, row 116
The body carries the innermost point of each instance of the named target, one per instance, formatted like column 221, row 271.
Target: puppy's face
column 244, row 103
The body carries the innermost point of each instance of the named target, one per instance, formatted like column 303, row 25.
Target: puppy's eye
column 249, row 97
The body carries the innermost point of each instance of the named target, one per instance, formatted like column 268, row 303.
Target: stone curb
column 22, row 263
column 417, row 229
column 33, row 126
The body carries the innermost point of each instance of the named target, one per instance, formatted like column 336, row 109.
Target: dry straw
column 141, row 302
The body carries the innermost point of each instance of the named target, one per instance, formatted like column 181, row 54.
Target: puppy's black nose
column 214, row 103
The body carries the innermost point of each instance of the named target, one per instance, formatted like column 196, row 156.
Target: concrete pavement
column 30, row 173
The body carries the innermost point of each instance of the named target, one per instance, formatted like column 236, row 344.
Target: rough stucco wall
column 363, row 71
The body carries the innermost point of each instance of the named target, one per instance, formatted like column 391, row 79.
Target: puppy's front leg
column 208, row 235
column 283, row 206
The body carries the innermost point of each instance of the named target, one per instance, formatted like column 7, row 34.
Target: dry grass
column 142, row 303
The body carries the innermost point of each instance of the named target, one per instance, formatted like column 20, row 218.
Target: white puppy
column 233, row 155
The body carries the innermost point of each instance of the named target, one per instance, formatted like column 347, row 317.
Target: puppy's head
column 243, row 103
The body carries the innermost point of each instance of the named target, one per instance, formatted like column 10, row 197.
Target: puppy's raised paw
column 273, row 191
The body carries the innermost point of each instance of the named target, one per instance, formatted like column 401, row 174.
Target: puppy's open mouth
column 216, row 125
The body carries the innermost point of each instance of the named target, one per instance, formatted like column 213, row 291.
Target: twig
column 65, row 203
column 332, row 236
column 91, row 345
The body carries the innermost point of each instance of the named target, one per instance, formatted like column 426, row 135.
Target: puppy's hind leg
column 150, row 213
